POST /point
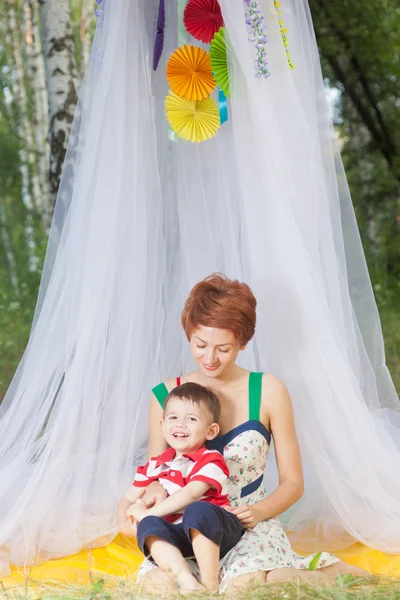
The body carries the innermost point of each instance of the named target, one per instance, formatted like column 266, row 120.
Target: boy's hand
column 155, row 493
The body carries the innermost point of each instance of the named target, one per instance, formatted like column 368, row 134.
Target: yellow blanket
column 122, row 558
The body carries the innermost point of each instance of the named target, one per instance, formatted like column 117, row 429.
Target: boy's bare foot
column 212, row 590
column 211, row 586
column 188, row 584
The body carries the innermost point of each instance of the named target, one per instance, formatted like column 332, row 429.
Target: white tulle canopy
column 139, row 220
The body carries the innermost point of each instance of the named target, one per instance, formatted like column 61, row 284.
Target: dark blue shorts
column 214, row 522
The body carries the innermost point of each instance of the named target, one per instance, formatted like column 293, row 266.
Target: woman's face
column 214, row 350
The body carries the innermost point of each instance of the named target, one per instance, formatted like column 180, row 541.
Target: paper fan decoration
column 195, row 121
column 189, row 73
column 219, row 61
column 202, row 19
column 159, row 41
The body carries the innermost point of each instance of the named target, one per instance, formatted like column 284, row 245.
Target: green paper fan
column 219, row 61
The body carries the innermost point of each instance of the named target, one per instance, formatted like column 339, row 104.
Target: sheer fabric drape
column 139, row 220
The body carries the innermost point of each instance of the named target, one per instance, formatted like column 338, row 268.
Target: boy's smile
column 186, row 425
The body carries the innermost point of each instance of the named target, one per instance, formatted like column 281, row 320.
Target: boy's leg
column 207, row 556
column 164, row 543
column 213, row 532
column 171, row 561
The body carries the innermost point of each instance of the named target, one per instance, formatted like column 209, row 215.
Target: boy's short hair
column 198, row 394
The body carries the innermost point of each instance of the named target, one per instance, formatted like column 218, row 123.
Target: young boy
column 191, row 521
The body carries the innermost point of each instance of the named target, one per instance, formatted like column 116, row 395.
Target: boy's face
column 186, row 426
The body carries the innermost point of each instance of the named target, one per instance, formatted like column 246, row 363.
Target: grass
column 345, row 588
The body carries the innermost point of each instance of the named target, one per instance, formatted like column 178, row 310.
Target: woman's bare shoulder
column 192, row 377
column 155, row 406
column 171, row 383
column 272, row 384
column 275, row 398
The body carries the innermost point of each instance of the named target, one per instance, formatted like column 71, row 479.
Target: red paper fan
column 202, row 19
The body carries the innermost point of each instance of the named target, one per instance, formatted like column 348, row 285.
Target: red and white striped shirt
column 175, row 472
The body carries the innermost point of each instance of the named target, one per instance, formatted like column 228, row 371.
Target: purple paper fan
column 159, row 43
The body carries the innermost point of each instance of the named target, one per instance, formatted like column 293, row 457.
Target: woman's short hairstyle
column 199, row 395
column 222, row 303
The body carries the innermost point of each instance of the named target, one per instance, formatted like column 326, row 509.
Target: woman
column 219, row 320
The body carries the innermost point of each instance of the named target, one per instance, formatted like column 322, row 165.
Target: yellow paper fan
column 189, row 73
column 195, row 121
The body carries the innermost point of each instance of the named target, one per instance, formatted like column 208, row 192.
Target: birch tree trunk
column 8, row 249
column 40, row 105
column 21, row 97
column 30, row 188
column 60, row 69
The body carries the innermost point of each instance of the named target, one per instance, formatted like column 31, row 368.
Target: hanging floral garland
column 258, row 36
column 284, row 32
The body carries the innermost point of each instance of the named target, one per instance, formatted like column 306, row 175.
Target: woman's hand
column 155, row 493
column 245, row 513
column 136, row 512
column 129, row 529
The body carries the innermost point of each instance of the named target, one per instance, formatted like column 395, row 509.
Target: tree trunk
column 27, row 166
column 40, row 104
column 60, row 69
column 6, row 241
column 33, row 259
column 25, row 130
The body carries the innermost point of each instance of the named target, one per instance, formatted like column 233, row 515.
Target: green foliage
column 359, row 44
column 391, row 333
column 16, row 308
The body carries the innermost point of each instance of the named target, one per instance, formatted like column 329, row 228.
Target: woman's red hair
column 222, row 303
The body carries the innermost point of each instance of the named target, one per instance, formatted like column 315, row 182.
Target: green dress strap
column 161, row 393
column 255, row 389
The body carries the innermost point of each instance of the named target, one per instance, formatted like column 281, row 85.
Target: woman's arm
column 131, row 495
column 277, row 410
column 157, row 443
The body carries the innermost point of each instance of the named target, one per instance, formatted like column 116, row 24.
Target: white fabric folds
column 140, row 219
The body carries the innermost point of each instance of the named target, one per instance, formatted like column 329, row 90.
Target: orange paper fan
column 189, row 73
column 195, row 121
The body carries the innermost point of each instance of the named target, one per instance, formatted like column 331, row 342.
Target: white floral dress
column 266, row 547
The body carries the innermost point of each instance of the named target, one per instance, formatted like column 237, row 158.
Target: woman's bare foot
column 342, row 568
column 326, row 574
